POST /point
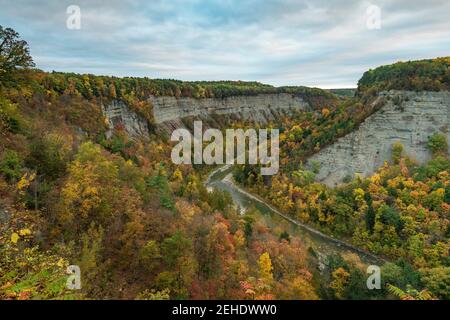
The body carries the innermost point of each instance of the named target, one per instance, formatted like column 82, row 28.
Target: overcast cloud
column 290, row 42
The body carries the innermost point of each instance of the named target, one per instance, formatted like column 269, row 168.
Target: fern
column 397, row 292
column 410, row 294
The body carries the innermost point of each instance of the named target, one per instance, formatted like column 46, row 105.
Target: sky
column 327, row 44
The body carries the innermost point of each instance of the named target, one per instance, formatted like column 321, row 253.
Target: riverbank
column 222, row 177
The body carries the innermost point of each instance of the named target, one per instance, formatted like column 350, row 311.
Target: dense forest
column 430, row 75
column 140, row 227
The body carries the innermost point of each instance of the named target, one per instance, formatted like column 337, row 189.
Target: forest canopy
column 430, row 74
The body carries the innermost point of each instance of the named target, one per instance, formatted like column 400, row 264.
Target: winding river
column 322, row 244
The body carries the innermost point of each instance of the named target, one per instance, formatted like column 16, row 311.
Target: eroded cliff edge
column 260, row 108
column 407, row 117
column 169, row 112
column 118, row 113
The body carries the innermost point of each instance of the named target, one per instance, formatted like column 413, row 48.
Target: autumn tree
column 438, row 143
column 298, row 288
column 10, row 118
column 397, row 150
column 91, row 189
column 150, row 255
column 340, row 278
column 14, row 53
column 438, row 281
column 265, row 267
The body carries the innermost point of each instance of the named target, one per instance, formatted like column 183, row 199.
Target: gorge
column 86, row 160
column 406, row 117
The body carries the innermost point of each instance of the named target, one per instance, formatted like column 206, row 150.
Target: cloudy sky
column 284, row 42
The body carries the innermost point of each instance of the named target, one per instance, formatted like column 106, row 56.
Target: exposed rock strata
column 408, row 117
column 259, row 108
column 117, row 113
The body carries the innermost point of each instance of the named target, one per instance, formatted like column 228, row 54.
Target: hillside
column 79, row 187
column 421, row 75
column 86, row 179
column 406, row 117
column 413, row 105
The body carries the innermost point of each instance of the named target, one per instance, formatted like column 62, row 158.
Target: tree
column 298, row 288
column 112, row 91
column 265, row 266
column 370, row 218
column 10, row 118
column 150, row 255
column 154, row 295
column 285, row 236
column 303, row 177
column 176, row 252
column 340, row 279
column 50, row 154
column 90, row 192
column 11, row 165
column 89, row 258
column 248, row 230
column 14, row 53
column 397, row 150
column 438, row 143
column 390, row 216
column 175, row 248
column 356, row 288
column 438, row 281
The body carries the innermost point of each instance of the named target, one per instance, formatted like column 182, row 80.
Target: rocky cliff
column 261, row 108
column 407, row 117
column 117, row 113
column 169, row 112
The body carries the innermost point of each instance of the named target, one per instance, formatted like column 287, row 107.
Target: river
column 322, row 244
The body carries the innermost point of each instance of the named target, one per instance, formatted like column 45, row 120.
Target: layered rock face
column 407, row 117
column 169, row 111
column 118, row 113
column 259, row 108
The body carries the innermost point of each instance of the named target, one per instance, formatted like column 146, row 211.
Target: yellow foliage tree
column 340, row 279
column 265, row 266
column 90, row 191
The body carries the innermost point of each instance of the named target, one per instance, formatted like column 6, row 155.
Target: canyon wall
column 118, row 113
column 407, row 117
column 260, row 108
column 169, row 111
